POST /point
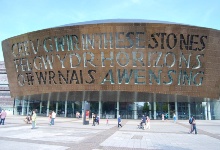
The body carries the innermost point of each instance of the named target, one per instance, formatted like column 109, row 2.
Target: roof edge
column 106, row 21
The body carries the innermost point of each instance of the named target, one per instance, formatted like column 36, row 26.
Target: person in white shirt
column 148, row 123
column 53, row 116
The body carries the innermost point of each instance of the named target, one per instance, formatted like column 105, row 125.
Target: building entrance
column 155, row 108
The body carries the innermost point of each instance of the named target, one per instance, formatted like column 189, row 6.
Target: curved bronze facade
column 141, row 57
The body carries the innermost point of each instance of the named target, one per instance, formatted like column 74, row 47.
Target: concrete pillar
column 189, row 108
column 83, row 102
column 206, row 116
column 57, row 107
column 149, row 104
column 117, row 109
column 216, row 109
column 135, row 110
column 100, row 109
column 155, row 108
column 23, row 108
column 118, row 96
column 40, row 108
column 168, row 107
column 67, row 97
column 15, row 111
column 135, row 106
column 176, row 107
column 73, row 109
column 28, row 106
column 48, row 107
column 209, row 112
column 65, row 108
column 100, row 104
column 155, row 111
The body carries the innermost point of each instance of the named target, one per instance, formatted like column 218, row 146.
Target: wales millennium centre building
column 126, row 67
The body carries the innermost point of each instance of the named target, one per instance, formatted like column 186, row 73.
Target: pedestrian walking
column 194, row 126
column 166, row 116
column 93, row 119
column 3, row 115
column 191, row 125
column 34, row 116
column 53, row 116
column 148, row 123
column 119, row 121
column 50, row 117
column 77, row 115
column 97, row 120
column 162, row 117
column 174, row 117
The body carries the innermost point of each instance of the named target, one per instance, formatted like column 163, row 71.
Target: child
column 27, row 120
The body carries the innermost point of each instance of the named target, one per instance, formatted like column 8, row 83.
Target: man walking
column 119, row 121
column 3, row 116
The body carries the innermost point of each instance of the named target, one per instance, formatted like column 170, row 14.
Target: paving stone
column 69, row 133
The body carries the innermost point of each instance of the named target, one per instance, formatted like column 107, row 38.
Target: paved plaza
column 69, row 134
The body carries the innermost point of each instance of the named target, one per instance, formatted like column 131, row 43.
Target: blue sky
column 22, row 16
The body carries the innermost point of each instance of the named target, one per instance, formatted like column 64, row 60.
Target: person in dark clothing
column 93, row 119
column 119, row 121
column 97, row 120
column 194, row 126
column 143, row 121
column 191, row 125
column 166, row 116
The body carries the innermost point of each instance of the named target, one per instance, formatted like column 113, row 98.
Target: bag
column 190, row 121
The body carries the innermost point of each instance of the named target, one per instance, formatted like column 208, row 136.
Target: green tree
column 145, row 108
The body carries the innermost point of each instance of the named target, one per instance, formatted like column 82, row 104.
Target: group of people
column 32, row 118
column 95, row 119
column 145, row 123
column 3, row 115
